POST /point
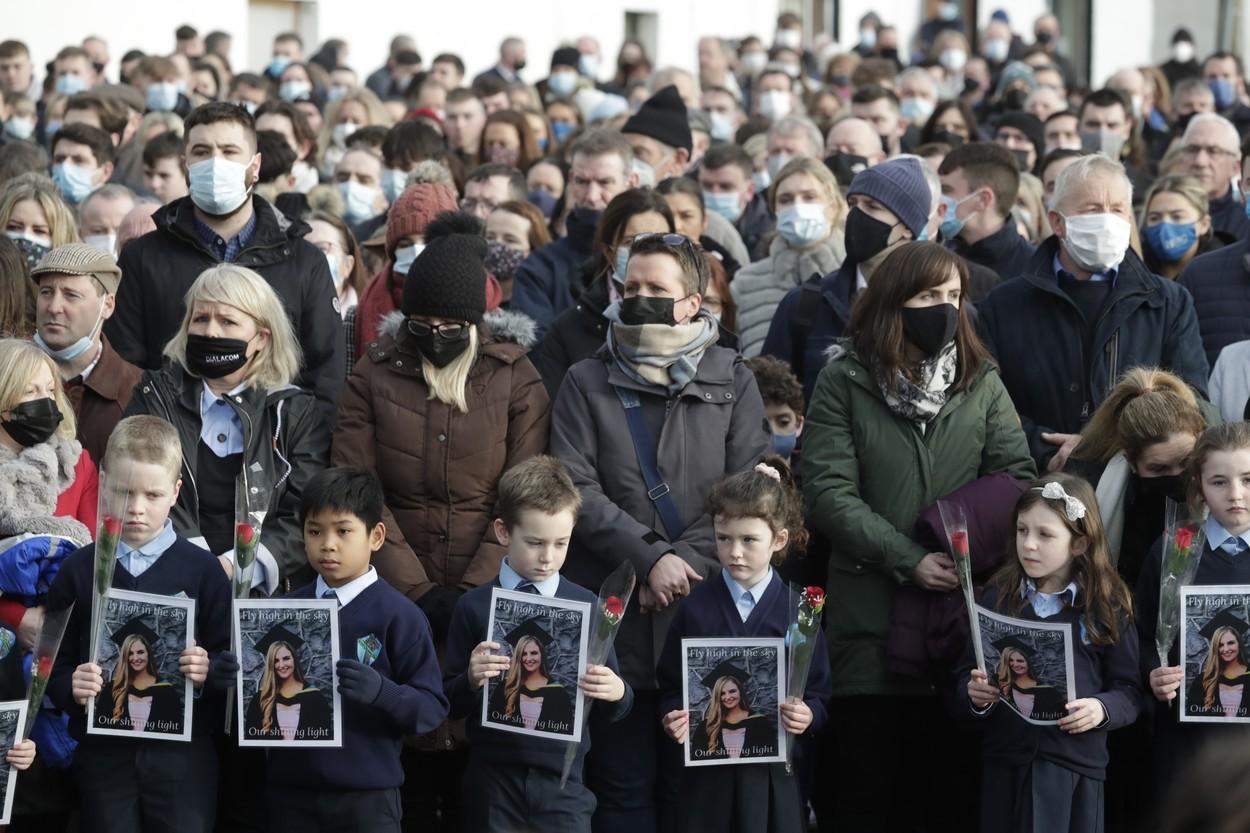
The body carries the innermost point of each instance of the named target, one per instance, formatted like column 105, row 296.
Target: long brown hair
column 876, row 328
column 528, row 151
column 1104, row 599
column 1147, row 406
column 359, row 277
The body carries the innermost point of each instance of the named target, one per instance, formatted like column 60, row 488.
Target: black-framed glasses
column 447, row 332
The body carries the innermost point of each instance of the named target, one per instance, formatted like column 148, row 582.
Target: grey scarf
column 921, row 401
column 659, row 354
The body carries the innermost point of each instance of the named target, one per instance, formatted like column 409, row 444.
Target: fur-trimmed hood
column 503, row 325
column 31, row 481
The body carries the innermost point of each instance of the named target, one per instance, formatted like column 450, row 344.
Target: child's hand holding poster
column 1030, row 663
column 144, row 694
column 733, row 690
column 546, row 639
column 287, row 688
column 1215, row 621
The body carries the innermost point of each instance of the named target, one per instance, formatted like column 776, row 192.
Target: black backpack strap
column 802, row 321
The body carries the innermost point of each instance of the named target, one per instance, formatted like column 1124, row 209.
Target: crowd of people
column 738, row 328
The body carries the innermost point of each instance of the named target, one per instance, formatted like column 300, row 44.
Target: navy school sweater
column 1106, row 672
column 468, row 628
column 411, row 701
column 183, row 568
column 709, row 612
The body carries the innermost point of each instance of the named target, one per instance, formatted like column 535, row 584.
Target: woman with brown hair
column 347, row 265
column 507, row 139
column 909, row 408
column 17, row 293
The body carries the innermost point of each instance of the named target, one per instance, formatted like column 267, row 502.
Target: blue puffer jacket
column 29, row 562
column 1219, row 282
column 1035, row 331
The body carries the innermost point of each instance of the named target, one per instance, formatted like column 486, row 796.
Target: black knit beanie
column 448, row 280
column 663, row 118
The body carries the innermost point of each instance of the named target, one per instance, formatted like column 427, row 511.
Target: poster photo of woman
column 144, row 694
column 1030, row 662
column 12, row 719
column 546, row 640
column 1215, row 625
column 733, row 691
column 287, row 689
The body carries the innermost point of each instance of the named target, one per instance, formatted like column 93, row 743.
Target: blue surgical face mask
column 951, row 223
column 163, row 96
column 722, row 126
column 20, row 127
column 803, row 223
column 74, row 181
column 294, row 90
column 563, row 82
column 728, row 204
column 762, row 180
column 783, row 444
column 358, row 200
column 332, row 260
column 73, row 351
column 394, row 181
column 622, row 263
column 51, row 129
column 1170, row 241
column 278, row 64
column 1224, row 90
column 71, row 84
column 405, row 257
column 561, row 130
column 218, row 185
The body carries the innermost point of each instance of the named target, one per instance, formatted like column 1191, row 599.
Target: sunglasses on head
column 677, row 241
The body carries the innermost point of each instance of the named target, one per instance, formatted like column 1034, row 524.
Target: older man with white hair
column 1087, row 310
column 851, row 146
column 1211, row 153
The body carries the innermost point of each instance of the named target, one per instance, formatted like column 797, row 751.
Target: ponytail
column 769, row 492
column 1147, row 406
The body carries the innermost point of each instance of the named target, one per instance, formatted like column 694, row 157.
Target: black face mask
column 1044, row 37
column 930, row 328
column 520, row 65
column 33, row 422
column 1014, row 99
column 1022, row 159
column 890, row 54
column 844, row 166
column 865, row 236
column 213, row 358
column 639, row 310
column 440, row 351
column 1155, row 489
column 949, row 138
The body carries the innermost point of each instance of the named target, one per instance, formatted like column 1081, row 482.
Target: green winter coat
column 867, row 475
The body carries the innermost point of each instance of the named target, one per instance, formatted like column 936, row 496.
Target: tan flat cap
column 80, row 259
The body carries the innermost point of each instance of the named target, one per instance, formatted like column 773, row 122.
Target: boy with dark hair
column 783, row 404
column 162, row 167
column 142, row 784
column 82, row 160
column 388, row 672
column 513, row 781
column 979, row 185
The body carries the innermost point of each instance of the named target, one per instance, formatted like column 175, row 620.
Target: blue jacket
column 828, row 320
column 1035, row 331
column 1004, row 252
column 547, row 282
column 1220, row 285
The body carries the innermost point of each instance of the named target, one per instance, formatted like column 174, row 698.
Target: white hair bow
column 1073, row 508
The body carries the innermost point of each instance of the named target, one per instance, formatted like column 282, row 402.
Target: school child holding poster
column 758, row 517
column 1218, row 477
column 143, row 784
column 513, row 780
column 1048, row 779
column 388, row 674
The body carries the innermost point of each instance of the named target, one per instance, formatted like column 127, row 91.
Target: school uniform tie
column 527, row 587
column 1234, row 545
column 331, row 594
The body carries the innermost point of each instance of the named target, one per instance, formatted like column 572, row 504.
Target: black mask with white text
column 213, row 358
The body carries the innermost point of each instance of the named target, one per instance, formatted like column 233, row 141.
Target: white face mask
column 405, row 257
column 342, row 132
column 803, row 223
column 953, row 59
column 359, row 200
column 218, row 185
column 1183, row 51
column 305, row 175
column 753, row 62
column 790, row 38
column 103, row 242
column 294, row 90
column 646, row 173
column 1096, row 242
column 775, row 105
column 995, row 50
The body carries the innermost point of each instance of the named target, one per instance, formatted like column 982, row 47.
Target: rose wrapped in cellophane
column 1183, row 542
column 46, row 648
column 114, row 494
column 806, row 606
column 955, row 523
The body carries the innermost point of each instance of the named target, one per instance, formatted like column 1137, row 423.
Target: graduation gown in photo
column 1195, row 697
column 556, row 714
column 166, row 708
column 1048, row 701
column 315, row 718
column 747, row 798
column 760, row 740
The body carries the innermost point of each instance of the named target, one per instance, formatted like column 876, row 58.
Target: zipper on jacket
column 169, row 417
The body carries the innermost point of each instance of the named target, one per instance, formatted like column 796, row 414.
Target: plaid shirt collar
column 227, row 251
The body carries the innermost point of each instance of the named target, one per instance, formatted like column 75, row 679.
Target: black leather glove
column 223, row 671
column 437, row 605
column 358, row 682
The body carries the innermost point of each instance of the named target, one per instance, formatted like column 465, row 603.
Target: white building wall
column 1123, row 34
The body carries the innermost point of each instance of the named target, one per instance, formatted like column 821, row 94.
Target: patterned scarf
column 920, row 402
column 659, row 354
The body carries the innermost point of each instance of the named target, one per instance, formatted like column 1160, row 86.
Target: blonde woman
column 1176, row 225
column 135, row 699
column 1019, row 685
column 1223, row 686
column 228, row 390
column 359, row 108
column 528, row 696
column 1030, row 210
column 34, row 216
column 440, row 406
column 811, row 214
column 728, row 728
column 285, row 706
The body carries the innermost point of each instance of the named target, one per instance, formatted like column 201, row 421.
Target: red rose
column 1184, row 538
column 112, row 526
column 959, row 540
column 45, row 667
column 244, row 533
column 613, row 606
column 815, row 596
